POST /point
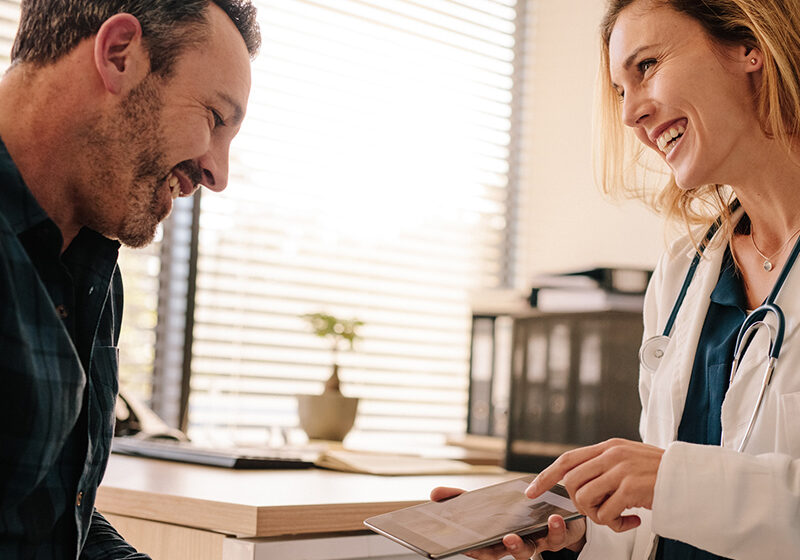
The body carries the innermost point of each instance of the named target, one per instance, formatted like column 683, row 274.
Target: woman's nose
column 636, row 108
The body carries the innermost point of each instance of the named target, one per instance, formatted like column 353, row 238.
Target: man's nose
column 214, row 167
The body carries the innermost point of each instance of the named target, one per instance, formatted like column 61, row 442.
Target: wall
column 568, row 223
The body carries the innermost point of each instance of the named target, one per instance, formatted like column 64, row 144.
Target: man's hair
column 49, row 29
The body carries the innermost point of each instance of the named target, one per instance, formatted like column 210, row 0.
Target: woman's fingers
column 627, row 479
column 550, row 476
column 518, row 547
column 441, row 493
column 559, row 535
column 605, row 479
column 556, row 537
column 562, row 535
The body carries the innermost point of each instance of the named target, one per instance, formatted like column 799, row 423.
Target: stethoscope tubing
column 754, row 321
column 712, row 231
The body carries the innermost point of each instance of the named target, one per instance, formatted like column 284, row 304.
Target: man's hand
column 559, row 535
column 605, row 479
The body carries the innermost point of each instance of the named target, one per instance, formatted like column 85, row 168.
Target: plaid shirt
column 60, row 317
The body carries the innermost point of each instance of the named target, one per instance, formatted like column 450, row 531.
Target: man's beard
column 138, row 228
column 142, row 111
column 133, row 141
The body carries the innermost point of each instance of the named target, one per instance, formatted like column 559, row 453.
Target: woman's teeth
column 669, row 138
column 174, row 185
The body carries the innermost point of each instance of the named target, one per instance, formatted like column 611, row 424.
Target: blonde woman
column 712, row 88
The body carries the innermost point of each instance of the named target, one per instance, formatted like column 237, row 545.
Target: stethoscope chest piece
column 652, row 351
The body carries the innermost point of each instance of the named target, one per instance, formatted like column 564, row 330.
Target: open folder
column 396, row 465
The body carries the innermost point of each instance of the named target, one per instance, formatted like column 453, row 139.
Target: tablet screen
column 473, row 519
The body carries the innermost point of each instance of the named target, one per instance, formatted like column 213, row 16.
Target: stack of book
column 596, row 289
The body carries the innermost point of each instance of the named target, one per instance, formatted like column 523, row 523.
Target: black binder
column 574, row 382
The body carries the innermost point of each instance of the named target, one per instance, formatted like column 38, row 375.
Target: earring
column 753, row 61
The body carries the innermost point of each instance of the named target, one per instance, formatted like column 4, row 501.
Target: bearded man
column 111, row 109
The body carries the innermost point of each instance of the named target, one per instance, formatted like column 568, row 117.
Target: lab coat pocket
column 789, row 439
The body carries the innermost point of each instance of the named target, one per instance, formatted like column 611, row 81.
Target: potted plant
column 330, row 415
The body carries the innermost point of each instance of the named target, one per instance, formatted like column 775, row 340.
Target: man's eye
column 217, row 119
column 646, row 64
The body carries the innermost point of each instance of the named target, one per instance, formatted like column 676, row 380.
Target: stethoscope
column 652, row 351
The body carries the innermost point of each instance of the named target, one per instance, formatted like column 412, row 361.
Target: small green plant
column 340, row 332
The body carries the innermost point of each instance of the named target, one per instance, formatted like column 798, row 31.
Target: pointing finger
column 560, row 467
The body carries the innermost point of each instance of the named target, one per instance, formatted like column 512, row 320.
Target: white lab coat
column 736, row 505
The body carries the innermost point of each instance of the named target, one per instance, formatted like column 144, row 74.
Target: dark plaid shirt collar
column 17, row 202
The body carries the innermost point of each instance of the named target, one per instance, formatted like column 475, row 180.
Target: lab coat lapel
column 688, row 325
column 789, row 301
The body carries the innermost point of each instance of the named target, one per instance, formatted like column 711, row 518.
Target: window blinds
column 9, row 19
column 370, row 181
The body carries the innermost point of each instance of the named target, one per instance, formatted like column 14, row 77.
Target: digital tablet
column 474, row 519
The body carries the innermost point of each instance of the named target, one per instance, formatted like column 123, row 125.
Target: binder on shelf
column 596, row 289
column 573, row 383
column 479, row 416
column 558, row 404
column 588, row 299
column 501, row 381
column 489, row 375
column 533, row 371
column 621, row 280
column 587, row 402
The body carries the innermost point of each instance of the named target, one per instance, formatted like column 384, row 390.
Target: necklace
column 768, row 260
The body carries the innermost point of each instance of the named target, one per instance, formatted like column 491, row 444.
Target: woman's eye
column 646, row 64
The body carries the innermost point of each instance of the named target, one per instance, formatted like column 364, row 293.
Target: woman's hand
column 559, row 535
column 605, row 479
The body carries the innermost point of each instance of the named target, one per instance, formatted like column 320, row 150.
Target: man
column 110, row 110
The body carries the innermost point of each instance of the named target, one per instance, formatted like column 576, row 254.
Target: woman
column 712, row 88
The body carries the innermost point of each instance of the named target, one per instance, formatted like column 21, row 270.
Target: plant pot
column 327, row 416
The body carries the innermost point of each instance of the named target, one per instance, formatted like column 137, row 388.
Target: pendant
column 767, row 266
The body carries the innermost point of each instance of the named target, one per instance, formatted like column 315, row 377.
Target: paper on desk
column 397, row 465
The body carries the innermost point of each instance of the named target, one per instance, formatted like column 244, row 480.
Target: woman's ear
column 120, row 57
column 752, row 58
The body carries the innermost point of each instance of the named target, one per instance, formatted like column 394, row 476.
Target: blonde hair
column 772, row 26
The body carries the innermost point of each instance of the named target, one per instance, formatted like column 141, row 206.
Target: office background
column 398, row 156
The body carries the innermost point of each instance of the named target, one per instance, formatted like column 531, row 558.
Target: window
column 9, row 19
column 372, row 179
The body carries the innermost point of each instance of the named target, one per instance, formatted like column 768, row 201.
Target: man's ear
column 119, row 55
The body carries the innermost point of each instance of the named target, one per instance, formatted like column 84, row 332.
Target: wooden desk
column 175, row 511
